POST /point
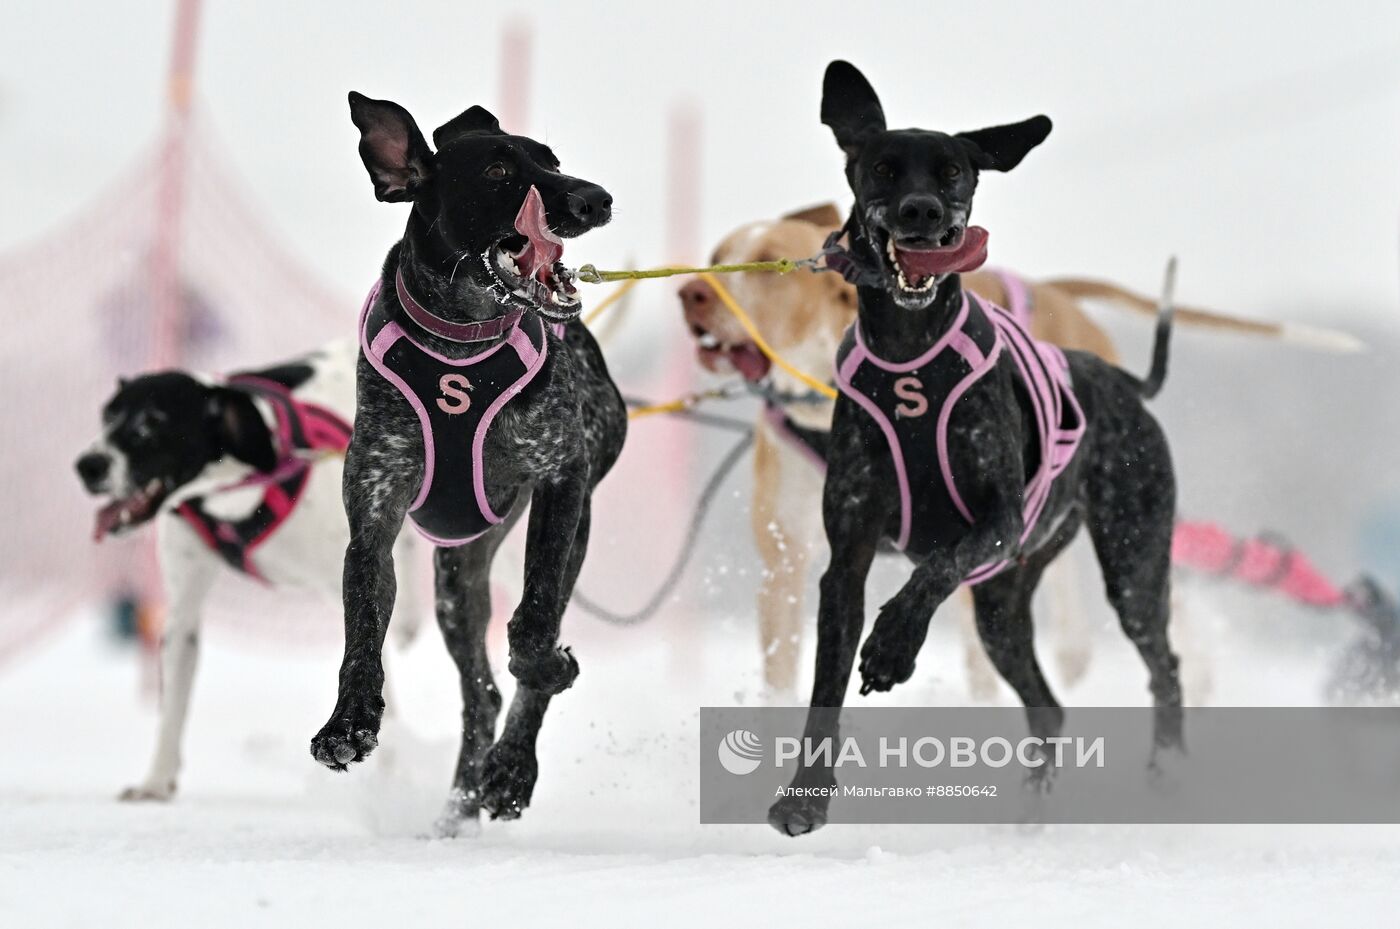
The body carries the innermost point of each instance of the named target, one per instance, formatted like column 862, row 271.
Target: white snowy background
column 1256, row 141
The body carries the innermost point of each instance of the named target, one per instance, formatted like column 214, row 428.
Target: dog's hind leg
column 463, row 583
column 408, row 604
column 1132, row 508
column 981, row 675
column 188, row 571
column 510, row 768
column 1003, row 609
column 407, row 619
column 1072, row 632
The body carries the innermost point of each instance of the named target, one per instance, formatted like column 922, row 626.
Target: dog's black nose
column 590, row 204
column 93, row 467
column 920, row 209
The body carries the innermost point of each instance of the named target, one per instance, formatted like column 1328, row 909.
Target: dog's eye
column 498, row 171
column 951, row 171
column 883, row 169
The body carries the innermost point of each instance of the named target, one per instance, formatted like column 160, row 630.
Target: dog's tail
column 1315, row 337
column 1161, row 342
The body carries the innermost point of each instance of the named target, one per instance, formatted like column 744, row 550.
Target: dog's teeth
column 709, row 341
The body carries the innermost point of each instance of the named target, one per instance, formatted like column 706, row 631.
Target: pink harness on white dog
column 301, row 429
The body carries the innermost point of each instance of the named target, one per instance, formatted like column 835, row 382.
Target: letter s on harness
column 454, row 399
column 916, row 404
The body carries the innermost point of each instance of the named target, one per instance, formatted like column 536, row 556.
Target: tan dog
column 803, row 317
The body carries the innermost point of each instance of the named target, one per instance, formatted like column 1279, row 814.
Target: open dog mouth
column 528, row 265
column 919, row 263
column 130, row 511
column 743, row 357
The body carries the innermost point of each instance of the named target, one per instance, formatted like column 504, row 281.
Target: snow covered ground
column 259, row 835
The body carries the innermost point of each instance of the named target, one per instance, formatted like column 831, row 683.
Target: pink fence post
column 517, row 43
column 166, row 291
column 683, row 245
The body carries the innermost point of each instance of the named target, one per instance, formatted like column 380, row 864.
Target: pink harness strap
column 788, row 431
column 1045, row 373
column 1018, row 297
column 299, row 429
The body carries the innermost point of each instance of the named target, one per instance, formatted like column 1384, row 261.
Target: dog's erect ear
column 475, row 119
column 825, row 215
column 1001, row 148
column 392, row 148
column 850, row 107
column 241, row 430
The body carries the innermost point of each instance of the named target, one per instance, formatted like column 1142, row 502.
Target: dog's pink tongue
column 108, row 518
column 751, row 364
column 967, row 255
column 545, row 247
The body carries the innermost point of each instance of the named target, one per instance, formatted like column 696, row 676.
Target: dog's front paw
column 549, row 672
column 149, row 792
column 1036, row 788
column 1166, row 772
column 349, row 737
column 796, row 815
column 460, row 815
column 885, row 660
column 508, row 775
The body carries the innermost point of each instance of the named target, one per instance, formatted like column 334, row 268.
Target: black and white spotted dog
column 972, row 448
column 479, row 393
column 240, row 474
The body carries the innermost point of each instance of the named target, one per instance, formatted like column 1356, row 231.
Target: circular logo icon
column 740, row 752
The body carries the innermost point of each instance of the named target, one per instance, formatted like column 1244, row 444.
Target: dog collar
column 842, row 259
column 481, row 331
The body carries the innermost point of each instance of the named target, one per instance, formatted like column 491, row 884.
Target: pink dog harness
column 812, row 443
column 913, row 401
column 456, row 400
column 301, row 431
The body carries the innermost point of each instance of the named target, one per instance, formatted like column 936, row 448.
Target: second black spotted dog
column 478, row 393
column 975, row 450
